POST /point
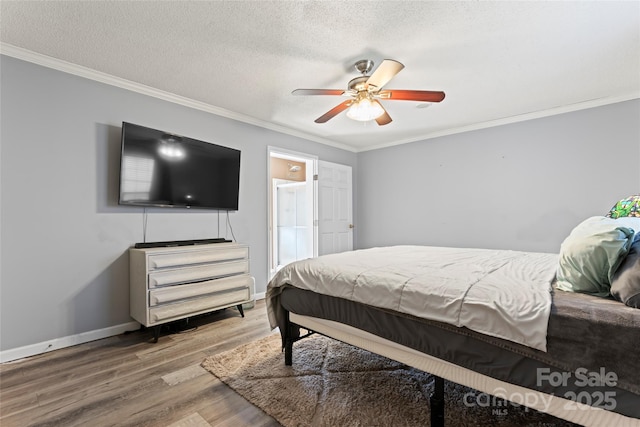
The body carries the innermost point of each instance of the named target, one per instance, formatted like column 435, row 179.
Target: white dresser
column 172, row 283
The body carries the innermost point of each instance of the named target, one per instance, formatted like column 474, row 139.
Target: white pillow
column 591, row 254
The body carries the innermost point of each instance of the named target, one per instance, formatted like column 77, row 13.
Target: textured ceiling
column 497, row 62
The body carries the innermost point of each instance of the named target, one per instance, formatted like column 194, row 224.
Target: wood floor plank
column 193, row 420
column 184, row 374
column 129, row 381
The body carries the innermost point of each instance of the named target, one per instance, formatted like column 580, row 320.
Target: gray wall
column 64, row 262
column 522, row 186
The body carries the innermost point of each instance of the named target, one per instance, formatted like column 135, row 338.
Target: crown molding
column 91, row 74
column 599, row 102
column 81, row 71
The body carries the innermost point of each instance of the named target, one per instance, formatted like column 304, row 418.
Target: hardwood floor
column 127, row 380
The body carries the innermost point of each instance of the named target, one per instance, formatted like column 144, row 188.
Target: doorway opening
column 292, row 208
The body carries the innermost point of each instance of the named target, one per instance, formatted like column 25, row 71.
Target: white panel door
column 335, row 213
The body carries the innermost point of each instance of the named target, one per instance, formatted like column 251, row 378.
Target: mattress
column 500, row 293
column 590, row 356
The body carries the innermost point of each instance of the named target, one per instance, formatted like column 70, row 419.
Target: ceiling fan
column 365, row 91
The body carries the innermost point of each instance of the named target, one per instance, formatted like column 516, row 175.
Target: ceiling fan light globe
column 365, row 110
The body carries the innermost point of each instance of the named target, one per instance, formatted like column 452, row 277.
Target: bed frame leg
column 288, row 342
column 291, row 335
column 436, row 400
column 288, row 352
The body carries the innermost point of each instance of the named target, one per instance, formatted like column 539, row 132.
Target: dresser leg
column 156, row 333
column 240, row 309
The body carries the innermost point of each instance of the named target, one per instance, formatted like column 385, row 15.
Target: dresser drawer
column 176, row 293
column 167, row 312
column 160, row 261
column 197, row 273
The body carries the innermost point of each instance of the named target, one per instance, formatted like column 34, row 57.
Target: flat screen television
column 162, row 169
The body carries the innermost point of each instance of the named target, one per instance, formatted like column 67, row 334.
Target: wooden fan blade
column 334, row 111
column 385, row 118
column 317, row 92
column 385, row 72
column 411, row 95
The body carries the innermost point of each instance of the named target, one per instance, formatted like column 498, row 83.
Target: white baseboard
column 58, row 343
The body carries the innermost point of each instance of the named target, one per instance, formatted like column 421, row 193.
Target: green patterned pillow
column 626, row 207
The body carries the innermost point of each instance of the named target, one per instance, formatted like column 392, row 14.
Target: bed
column 569, row 354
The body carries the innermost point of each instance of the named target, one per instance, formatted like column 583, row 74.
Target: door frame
column 312, row 171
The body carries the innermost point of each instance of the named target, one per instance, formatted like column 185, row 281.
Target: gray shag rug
column 335, row 384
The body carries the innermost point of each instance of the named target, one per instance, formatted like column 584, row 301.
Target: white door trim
column 296, row 156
